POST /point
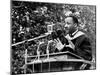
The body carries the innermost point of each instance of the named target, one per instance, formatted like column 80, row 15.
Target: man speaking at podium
column 77, row 41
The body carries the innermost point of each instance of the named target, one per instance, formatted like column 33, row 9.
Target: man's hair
column 74, row 19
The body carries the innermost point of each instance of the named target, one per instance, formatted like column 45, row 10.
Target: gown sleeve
column 83, row 48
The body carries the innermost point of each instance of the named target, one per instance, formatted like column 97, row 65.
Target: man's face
column 69, row 24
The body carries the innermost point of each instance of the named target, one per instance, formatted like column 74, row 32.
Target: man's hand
column 59, row 45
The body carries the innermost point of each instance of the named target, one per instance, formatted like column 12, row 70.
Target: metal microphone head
column 59, row 32
column 54, row 35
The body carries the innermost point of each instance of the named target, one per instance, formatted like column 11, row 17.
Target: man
column 78, row 42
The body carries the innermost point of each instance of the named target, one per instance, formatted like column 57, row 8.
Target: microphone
column 59, row 34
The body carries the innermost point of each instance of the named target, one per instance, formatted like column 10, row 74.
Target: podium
column 60, row 61
column 50, row 62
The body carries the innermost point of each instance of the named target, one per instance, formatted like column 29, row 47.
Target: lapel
column 77, row 34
